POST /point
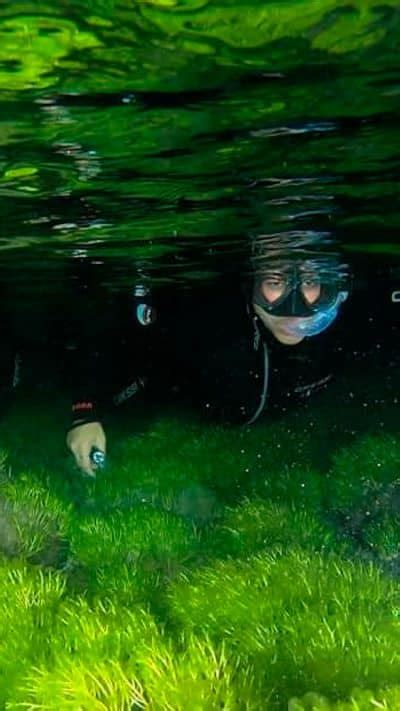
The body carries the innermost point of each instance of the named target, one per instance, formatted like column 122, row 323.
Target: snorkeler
column 292, row 297
column 289, row 300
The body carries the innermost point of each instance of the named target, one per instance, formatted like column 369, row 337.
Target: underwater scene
column 199, row 361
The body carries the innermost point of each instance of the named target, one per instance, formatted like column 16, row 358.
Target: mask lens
column 272, row 290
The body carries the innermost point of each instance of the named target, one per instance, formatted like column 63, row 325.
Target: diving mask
column 301, row 294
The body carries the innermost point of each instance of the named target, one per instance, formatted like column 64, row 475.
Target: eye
column 273, row 283
column 273, row 287
column 310, row 282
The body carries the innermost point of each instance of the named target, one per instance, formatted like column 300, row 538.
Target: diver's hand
column 81, row 440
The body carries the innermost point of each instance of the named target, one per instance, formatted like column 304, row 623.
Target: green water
column 166, row 133
column 208, row 567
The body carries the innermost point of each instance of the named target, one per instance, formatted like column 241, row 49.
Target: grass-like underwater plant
column 200, row 676
column 299, row 485
column 383, row 539
column 293, row 616
column 154, row 675
column 134, row 553
column 176, row 457
column 360, row 700
column 101, row 630
column 258, row 611
column 93, row 660
column 29, row 601
column 257, row 525
column 109, row 657
column 363, row 474
column 164, row 467
column 33, row 523
column 100, row 686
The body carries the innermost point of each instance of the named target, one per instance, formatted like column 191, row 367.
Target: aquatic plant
column 200, row 676
column 299, row 485
column 249, row 630
column 131, row 552
column 91, row 658
column 100, row 686
column 101, row 630
column 257, row 525
column 360, row 700
column 292, row 615
column 309, row 702
column 363, row 475
column 111, row 657
column 29, row 600
column 147, row 469
column 383, row 538
column 93, row 654
column 150, row 674
column 34, row 522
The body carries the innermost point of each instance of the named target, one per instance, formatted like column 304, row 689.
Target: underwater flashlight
column 98, row 458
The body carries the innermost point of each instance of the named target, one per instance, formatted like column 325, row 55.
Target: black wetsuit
column 205, row 345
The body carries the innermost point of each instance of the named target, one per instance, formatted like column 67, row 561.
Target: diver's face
column 272, row 289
